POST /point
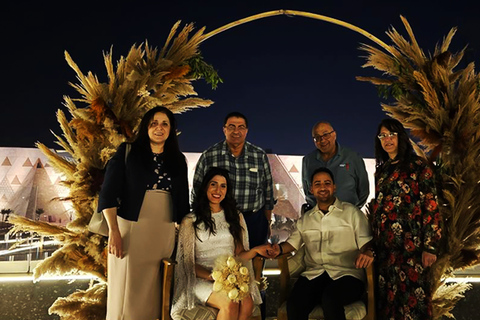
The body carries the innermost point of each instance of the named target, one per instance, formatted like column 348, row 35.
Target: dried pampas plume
column 439, row 103
column 436, row 101
column 110, row 112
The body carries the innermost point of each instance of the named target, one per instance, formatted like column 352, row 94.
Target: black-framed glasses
column 325, row 136
column 390, row 135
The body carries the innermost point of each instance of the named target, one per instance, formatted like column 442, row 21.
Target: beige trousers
column 134, row 282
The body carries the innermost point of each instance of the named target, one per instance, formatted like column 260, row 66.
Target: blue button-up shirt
column 349, row 173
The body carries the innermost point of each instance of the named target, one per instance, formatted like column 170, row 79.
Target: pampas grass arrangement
column 432, row 97
column 439, row 103
column 110, row 112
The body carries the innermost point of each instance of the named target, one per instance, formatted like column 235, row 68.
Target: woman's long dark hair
column 171, row 151
column 405, row 148
column 201, row 206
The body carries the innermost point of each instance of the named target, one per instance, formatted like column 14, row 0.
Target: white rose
column 232, row 279
column 231, row 262
column 243, row 271
column 244, row 288
column 217, row 286
column 233, row 294
column 216, row 275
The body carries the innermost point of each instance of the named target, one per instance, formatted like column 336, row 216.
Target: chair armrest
column 258, row 263
column 284, row 277
column 168, row 266
column 370, row 293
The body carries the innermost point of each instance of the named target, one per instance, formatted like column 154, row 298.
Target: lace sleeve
column 184, row 281
column 257, row 299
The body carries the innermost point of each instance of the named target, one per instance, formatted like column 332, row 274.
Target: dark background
column 283, row 73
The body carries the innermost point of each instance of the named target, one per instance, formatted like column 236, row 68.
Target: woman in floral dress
column 406, row 226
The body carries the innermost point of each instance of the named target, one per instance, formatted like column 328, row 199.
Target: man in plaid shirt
column 250, row 173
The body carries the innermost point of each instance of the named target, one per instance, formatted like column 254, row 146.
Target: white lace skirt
column 134, row 282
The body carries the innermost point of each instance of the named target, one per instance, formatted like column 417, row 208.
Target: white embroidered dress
column 190, row 290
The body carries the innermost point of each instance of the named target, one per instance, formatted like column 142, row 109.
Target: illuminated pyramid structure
column 286, row 188
column 28, row 183
column 286, row 179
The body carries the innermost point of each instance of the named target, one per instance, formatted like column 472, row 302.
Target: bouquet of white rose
column 231, row 277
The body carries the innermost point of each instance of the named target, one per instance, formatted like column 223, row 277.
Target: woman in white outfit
column 215, row 228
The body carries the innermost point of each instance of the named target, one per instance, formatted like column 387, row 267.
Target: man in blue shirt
column 346, row 165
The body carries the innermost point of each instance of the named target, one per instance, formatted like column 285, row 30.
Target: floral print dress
column 406, row 222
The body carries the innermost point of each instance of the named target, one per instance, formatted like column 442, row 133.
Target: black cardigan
column 125, row 187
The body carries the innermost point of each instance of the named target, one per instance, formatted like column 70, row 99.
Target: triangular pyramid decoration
column 16, row 181
column 4, row 198
column 6, row 162
column 293, row 169
column 28, row 163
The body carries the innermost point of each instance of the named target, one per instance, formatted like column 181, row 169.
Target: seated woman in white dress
column 215, row 228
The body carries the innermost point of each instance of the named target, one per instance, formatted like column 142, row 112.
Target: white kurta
column 332, row 240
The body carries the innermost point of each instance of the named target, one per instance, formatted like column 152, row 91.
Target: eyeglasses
column 325, row 136
column 390, row 135
column 232, row 127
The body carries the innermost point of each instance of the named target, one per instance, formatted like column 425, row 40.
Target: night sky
column 283, row 73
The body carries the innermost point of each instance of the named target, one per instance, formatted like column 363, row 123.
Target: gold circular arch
column 300, row 14
column 437, row 102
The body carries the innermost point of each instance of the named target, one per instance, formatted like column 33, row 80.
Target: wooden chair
column 200, row 312
column 290, row 269
column 168, row 266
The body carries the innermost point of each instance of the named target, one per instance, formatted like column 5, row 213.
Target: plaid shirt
column 250, row 174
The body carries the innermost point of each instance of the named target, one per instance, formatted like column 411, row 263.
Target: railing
column 21, row 253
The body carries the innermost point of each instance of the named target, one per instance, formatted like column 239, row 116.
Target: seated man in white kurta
column 337, row 239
